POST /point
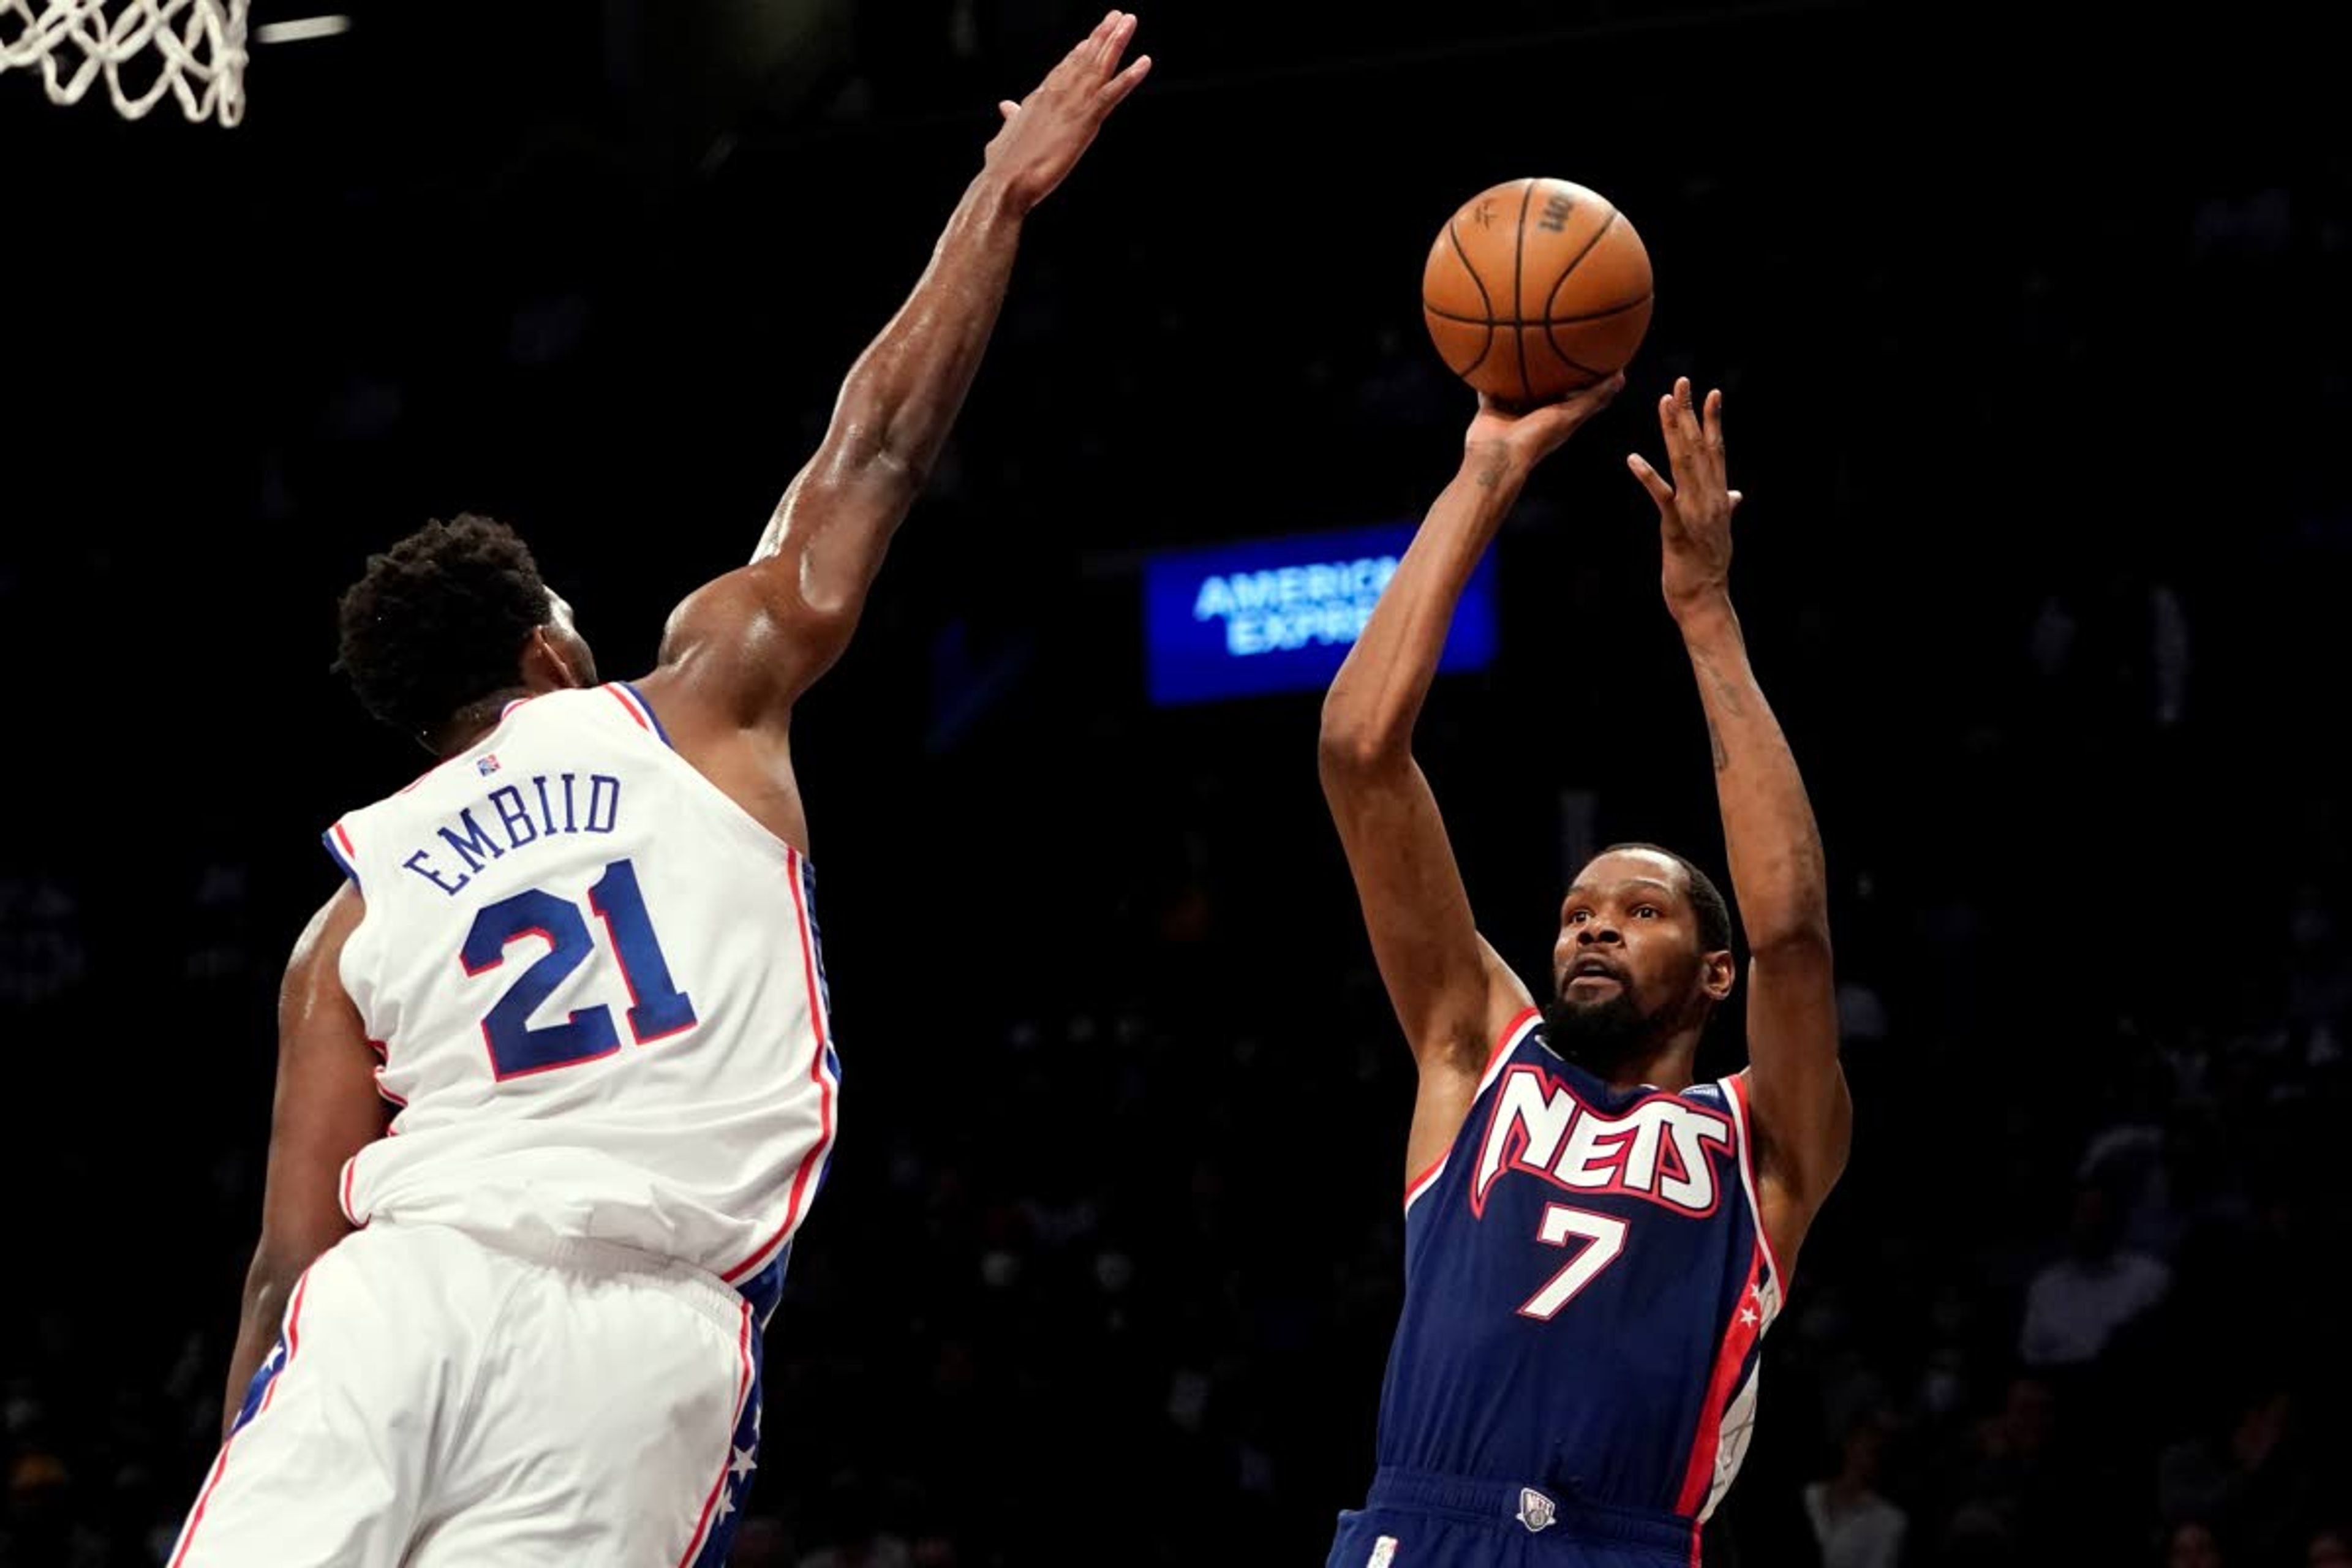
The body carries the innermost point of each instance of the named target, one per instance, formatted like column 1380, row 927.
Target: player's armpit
column 1448, row 1080
column 327, row 1108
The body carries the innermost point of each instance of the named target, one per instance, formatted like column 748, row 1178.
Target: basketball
column 1536, row 289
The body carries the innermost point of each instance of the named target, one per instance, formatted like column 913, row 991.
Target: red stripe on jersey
column 1412, row 1188
column 1740, row 1336
column 1510, row 1033
column 293, row 1339
column 816, row 1071
column 345, row 839
column 293, row 1335
column 1749, row 1174
column 385, row 1051
column 203, row 1497
column 629, row 708
column 743, row 1392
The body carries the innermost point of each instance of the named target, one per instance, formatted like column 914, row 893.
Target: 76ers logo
column 1658, row 1149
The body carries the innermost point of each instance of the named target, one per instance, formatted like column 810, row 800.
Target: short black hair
column 439, row 621
column 1713, row 913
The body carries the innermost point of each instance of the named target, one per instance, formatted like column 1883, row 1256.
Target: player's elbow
column 1352, row 743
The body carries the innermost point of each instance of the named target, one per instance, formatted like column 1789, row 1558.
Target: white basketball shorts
column 435, row 1399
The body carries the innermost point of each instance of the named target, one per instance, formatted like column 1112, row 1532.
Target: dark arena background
column 2034, row 327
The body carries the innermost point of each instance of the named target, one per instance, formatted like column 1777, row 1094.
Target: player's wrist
column 1705, row 612
column 994, row 198
column 1498, row 463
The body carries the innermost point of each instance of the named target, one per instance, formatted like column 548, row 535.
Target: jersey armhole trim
column 1513, row 1033
column 1421, row 1183
column 823, row 1071
column 634, row 701
column 1735, row 1092
column 338, row 847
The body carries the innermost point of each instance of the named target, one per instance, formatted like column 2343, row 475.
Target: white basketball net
column 193, row 49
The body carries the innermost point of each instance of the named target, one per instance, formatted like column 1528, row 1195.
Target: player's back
column 1587, row 1286
column 595, row 983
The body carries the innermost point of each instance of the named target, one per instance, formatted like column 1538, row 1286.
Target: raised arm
column 1804, row 1117
column 327, row 1110
column 1452, row 995
column 752, row 641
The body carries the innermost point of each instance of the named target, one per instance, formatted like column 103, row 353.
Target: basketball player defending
column 579, row 958
column 1594, row 1244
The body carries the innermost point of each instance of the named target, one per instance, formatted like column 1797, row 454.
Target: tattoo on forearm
column 1726, row 691
column 1490, row 472
column 1715, row 742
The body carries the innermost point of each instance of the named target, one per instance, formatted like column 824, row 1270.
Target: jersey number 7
column 1604, row 1238
column 659, row 1009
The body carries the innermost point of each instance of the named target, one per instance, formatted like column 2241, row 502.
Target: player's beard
column 1597, row 1035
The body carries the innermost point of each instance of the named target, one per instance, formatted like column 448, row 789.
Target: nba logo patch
column 1383, row 1552
column 488, row 766
column 1535, row 1510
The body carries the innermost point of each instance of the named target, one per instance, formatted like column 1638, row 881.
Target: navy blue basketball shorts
column 1415, row 1520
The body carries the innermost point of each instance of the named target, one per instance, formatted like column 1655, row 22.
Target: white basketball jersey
column 596, row 986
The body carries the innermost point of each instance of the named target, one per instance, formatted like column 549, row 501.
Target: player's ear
column 545, row 667
column 1718, row 972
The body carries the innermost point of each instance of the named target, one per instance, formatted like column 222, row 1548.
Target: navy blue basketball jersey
column 1587, row 1287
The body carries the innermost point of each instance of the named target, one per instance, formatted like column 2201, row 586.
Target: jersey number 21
column 659, row 1009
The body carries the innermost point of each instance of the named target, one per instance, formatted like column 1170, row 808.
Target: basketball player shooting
column 1594, row 1244
column 520, row 1323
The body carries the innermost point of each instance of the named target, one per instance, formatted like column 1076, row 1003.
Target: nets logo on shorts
column 1535, row 1510
column 1383, row 1552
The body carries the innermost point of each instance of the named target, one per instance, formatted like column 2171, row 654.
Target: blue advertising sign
column 1279, row 614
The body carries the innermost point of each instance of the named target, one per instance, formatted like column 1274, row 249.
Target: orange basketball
column 1536, row 288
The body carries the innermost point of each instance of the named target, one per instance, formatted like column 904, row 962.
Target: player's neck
column 1626, row 1054
column 1665, row 1066
column 471, row 723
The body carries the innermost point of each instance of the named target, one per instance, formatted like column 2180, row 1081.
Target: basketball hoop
column 194, row 49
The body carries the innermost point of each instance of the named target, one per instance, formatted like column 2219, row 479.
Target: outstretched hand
column 1694, row 510
column 1530, row 435
column 1044, row 133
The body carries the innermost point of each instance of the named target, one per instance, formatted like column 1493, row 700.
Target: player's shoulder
column 1714, row 1092
column 619, row 706
column 330, row 926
